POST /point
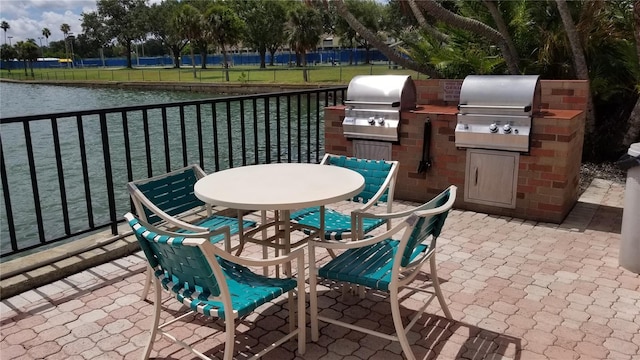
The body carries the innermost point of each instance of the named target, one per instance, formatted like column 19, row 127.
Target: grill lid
column 397, row 91
column 373, row 106
column 495, row 111
column 500, row 95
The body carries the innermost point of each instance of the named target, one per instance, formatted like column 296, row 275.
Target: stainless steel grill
column 495, row 111
column 374, row 104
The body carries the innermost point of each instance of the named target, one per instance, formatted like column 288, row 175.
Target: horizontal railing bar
column 225, row 99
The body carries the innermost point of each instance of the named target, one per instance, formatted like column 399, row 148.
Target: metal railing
column 65, row 174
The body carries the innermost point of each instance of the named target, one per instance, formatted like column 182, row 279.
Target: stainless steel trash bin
column 630, row 238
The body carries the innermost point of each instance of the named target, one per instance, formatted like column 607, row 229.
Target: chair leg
column 313, row 293
column 292, row 311
column 436, row 286
column 302, row 316
column 230, row 335
column 147, row 283
column 156, row 320
column 397, row 322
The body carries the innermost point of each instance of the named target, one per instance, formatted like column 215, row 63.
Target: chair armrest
column 204, row 233
column 376, row 197
column 336, row 244
column 428, row 208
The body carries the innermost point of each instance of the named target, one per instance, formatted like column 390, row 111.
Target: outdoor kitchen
column 512, row 144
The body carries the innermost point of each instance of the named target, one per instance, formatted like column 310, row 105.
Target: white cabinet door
column 491, row 177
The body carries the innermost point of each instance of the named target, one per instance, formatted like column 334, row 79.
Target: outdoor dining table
column 278, row 187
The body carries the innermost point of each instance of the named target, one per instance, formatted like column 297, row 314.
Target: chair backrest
column 376, row 173
column 427, row 222
column 178, row 262
column 172, row 193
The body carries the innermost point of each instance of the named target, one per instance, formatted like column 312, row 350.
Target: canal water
column 17, row 99
column 31, row 99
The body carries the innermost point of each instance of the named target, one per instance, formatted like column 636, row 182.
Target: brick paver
column 516, row 289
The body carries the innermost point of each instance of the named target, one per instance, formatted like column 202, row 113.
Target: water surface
column 17, row 99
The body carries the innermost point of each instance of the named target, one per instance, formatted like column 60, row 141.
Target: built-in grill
column 495, row 111
column 374, row 104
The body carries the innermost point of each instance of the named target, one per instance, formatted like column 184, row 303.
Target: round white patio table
column 280, row 187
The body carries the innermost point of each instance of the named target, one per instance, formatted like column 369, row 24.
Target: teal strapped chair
column 168, row 200
column 386, row 264
column 214, row 283
column 380, row 179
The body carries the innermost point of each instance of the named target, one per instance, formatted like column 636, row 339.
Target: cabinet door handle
column 476, row 177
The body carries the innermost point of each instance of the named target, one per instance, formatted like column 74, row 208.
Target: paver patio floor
column 516, row 290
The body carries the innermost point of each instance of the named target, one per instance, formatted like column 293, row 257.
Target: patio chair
column 380, row 179
column 216, row 284
column 388, row 265
column 168, row 200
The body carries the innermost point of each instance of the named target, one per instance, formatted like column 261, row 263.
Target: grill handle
column 351, row 102
column 506, row 107
column 425, row 162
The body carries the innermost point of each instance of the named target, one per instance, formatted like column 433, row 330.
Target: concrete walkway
column 516, row 289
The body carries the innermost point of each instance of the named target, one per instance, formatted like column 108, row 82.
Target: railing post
column 108, row 173
column 7, row 201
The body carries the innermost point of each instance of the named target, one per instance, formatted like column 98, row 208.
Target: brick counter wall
column 548, row 177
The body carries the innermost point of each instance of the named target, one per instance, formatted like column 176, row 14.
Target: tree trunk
column 175, row 51
column 263, row 54
column 579, row 61
column 475, row 27
column 25, row 68
column 305, row 75
column 193, row 62
column 502, row 27
column 379, row 44
column 633, row 124
column 226, row 63
column 31, row 66
column 273, row 55
column 351, row 52
column 424, row 25
column 367, row 56
column 203, row 60
column 128, row 47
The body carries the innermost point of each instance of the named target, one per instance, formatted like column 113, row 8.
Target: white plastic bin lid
column 634, row 150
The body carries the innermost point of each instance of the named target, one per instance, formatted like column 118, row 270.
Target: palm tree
column 46, row 33
column 579, row 61
column 633, row 131
column 30, row 53
column 65, row 28
column 5, row 26
column 391, row 53
column 7, row 53
column 225, row 28
column 305, row 28
column 188, row 21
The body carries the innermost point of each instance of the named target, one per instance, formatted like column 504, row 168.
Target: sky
column 27, row 18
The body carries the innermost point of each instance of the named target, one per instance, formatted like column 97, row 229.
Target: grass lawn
column 240, row 74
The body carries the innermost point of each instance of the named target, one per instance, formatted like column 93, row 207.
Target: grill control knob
column 372, row 120
column 493, row 128
column 506, row 128
column 381, row 121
